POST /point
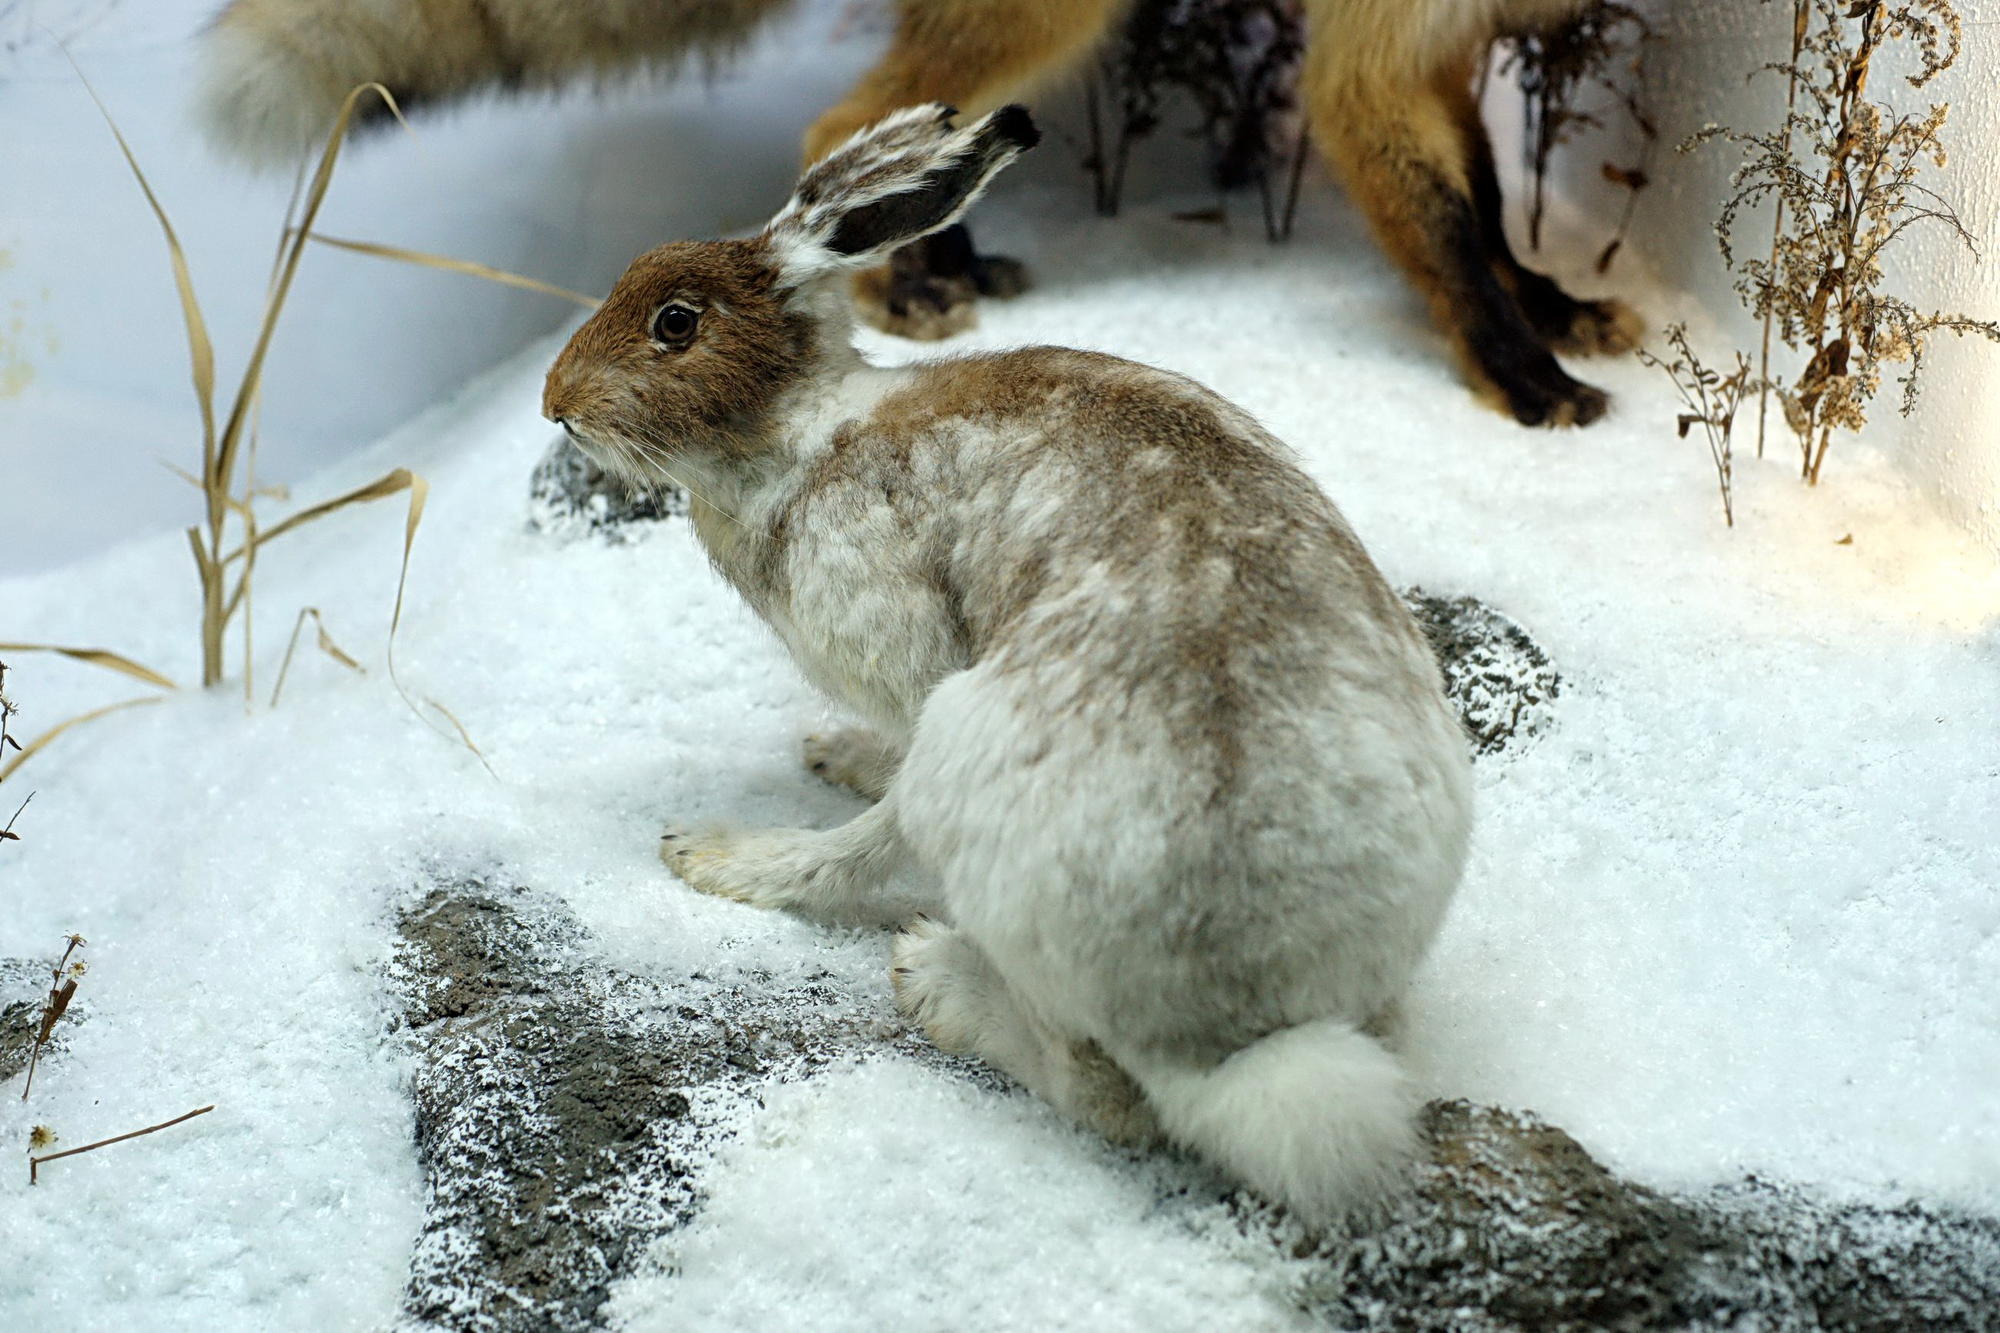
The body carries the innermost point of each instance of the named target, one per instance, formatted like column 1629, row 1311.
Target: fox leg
column 1570, row 326
column 974, row 55
column 1385, row 118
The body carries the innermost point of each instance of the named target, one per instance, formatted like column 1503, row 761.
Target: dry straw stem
column 35, row 1163
column 450, row 265
column 326, row 645
column 35, row 746
column 226, row 590
column 62, row 989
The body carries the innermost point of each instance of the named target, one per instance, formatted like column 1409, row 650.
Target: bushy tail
column 1318, row 1117
column 276, row 70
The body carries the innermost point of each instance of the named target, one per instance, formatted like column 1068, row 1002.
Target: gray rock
column 562, row 1109
column 558, row 1102
column 1500, row 682
column 1515, row 1227
column 24, row 989
column 570, row 495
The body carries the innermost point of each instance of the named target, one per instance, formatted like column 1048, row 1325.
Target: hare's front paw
column 743, row 867
column 855, row 758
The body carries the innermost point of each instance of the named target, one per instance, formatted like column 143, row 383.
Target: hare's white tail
column 1319, row 1117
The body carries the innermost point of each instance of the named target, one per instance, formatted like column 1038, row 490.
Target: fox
column 1386, row 92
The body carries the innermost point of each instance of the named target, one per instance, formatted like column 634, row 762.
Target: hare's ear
column 903, row 177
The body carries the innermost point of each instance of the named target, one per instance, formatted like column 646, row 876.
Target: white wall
column 94, row 384
column 1699, row 69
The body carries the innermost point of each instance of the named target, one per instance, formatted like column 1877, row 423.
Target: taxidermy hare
column 1174, row 755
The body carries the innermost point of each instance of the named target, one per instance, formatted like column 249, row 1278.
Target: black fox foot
column 1573, row 327
column 930, row 288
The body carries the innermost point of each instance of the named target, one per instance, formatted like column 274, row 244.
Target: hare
column 1173, row 755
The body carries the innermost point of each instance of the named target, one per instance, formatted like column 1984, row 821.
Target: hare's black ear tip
column 1016, row 126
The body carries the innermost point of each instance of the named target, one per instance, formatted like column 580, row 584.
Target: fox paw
column 914, row 304
column 1535, row 391
column 1598, row 328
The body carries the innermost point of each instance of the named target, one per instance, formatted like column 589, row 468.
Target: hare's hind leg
column 948, row 986
column 839, row 876
column 855, row 758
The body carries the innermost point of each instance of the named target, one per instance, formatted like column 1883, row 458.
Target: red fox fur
column 1386, row 89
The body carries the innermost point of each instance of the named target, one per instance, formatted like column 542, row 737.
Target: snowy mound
column 1731, row 914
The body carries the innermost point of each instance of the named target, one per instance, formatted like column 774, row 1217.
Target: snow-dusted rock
column 565, row 1112
column 558, row 1102
column 569, row 494
column 1500, row 682
column 1515, row 1226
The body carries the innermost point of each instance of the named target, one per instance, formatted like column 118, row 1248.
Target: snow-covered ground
column 1736, row 912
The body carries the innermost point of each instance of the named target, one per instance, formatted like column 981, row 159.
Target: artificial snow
column 1734, row 911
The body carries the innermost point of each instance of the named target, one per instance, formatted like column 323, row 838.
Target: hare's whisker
column 655, row 452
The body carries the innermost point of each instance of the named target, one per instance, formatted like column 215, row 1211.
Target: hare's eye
column 674, row 324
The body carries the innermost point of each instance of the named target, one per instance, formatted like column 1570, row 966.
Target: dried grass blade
column 419, row 493
column 326, row 645
column 28, row 751
column 450, row 265
column 35, row 1163
column 201, row 351
column 100, row 657
column 253, row 373
column 381, row 488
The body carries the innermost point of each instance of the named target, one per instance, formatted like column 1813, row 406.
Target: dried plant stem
column 61, row 992
column 1712, row 400
column 326, row 645
column 7, row 711
column 1801, row 12
column 35, row 1163
column 450, row 265
column 7, row 834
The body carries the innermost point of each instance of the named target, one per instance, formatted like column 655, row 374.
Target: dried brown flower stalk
column 35, row 1163
column 1603, row 50
column 62, row 989
column 1842, row 171
column 1711, row 399
column 1237, row 61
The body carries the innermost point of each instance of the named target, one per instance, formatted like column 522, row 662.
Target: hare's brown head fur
column 687, row 357
column 694, row 353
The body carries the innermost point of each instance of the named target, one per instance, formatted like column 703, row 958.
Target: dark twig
column 7, row 834
column 35, row 1163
